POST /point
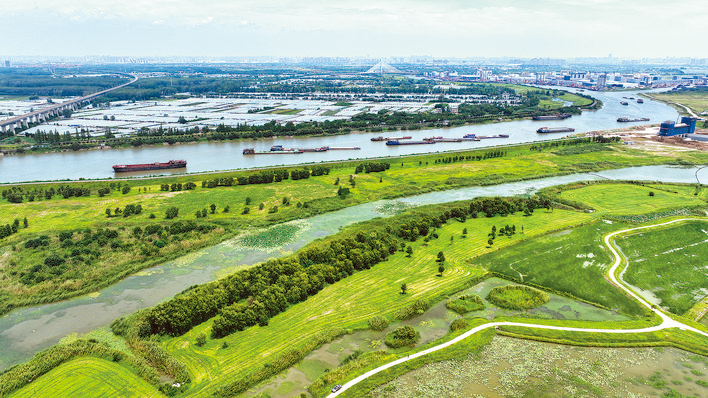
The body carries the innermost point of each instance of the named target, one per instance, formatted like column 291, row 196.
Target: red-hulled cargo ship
column 172, row 164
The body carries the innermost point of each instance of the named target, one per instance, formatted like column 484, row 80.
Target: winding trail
column 666, row 321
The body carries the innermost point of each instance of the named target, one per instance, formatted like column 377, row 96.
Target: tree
column 490, row 242
column 336, row 182
column 404, row 287
column 227, row 209
column 108, row 212
column 201, row 340
column 409, row 251
column 261, row 206
column 213, row 208
column 182, row 120
column 171, row 213
column 25, row 223
column 441, row 257
column 204, row 213
column 464, row 231
column 441, row 269
column 248, row 200
column 246, row 210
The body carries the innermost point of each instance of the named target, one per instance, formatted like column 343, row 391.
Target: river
column 211, row 156
column 25, row 331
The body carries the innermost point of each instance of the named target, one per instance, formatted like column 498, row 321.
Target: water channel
column 26, row 331
column 210, row 156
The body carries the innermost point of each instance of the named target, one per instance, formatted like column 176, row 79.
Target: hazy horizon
column 365, row 28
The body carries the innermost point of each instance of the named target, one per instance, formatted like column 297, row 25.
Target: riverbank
column 141, row 240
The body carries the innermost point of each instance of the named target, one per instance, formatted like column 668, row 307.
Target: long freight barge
column 381, row 138
column 396, row 142
column 626, row 119
column 555, row 130
column 559, row 116
column 172, row 164
column 274, row 150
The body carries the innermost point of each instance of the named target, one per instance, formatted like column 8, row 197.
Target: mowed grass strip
column 352, row 301
column 629, row 199
column 88, row 377
column 670, row 262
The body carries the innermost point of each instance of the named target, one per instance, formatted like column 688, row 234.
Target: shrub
column 516, row 297
column 201, row 340
column 417, row 308
column 459, row 324
column 465, row 304
column 401, row 337
column 378, row 322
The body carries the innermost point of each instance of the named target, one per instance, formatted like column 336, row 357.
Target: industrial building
column 670, row 128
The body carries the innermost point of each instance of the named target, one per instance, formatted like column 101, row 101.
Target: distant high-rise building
column 602, row 81
column 8, row 63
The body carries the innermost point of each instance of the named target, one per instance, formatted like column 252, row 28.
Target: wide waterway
column 210, row 156
column 25, row 331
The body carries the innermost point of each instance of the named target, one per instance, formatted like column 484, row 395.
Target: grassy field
column 625, row 199
column 408, row 176
column 669, row 262
column 351, row 303
column 697, row 101
column 554, row 251
column 89, row 377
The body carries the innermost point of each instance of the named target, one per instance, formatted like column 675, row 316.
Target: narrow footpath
column 666, row 321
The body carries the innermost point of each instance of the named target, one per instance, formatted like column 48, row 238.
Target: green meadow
column 671, row 263
column 89, row 377
column 558, row 250
column 306, row 197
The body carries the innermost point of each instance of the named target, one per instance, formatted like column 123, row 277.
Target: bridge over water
column 41, row 115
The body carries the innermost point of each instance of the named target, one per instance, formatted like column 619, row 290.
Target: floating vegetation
column 393, row 208
column 517, row 368
column 274, row 237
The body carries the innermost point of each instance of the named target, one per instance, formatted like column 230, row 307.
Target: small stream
column 25, row 331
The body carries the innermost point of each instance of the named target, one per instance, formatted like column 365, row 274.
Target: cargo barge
column 274, row 150
column 396, row 142
column 381, row 138
column 555, row 130
column 640, row 101
column 626, row 119
column 172, row 164
column 559, row 116
column 344, row 148
column 625, row 103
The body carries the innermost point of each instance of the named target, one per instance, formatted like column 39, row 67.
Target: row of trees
column 254, row 295
column 372, row 167
column 17, row 194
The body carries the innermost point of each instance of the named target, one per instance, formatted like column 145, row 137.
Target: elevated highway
column 41, row 115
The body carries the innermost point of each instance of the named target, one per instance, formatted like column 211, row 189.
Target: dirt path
column 666, row 321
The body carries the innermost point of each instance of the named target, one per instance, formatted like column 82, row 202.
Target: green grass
column 351, row 302
column 407, row 176
column 626, row 199
column 668, row 262
column 571, row 261
column 697, row 101
column 284, row 111
column 516, row 297
column 89, row 377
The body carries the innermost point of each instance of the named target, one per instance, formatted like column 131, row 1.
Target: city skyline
column 219, row 28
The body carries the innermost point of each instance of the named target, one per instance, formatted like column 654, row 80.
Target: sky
column 369, row 28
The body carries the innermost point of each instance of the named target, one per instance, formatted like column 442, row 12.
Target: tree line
column 252, row 296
